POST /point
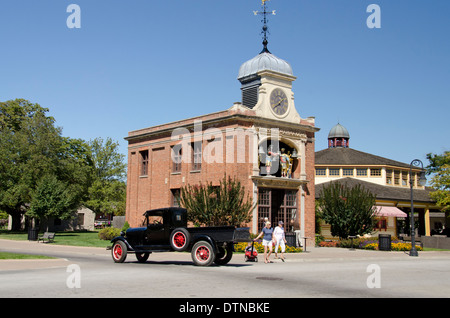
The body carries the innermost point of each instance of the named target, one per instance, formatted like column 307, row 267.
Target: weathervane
column 265, row 28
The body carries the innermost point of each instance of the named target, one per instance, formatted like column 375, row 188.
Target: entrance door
column 277, row 205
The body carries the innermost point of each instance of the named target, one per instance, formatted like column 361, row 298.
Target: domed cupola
column 338, row 137
column 266, row 64
column 250, row 78
column 265, row 61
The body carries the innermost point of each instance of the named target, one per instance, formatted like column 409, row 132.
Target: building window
column 144, row 162
column 397, row 177
column 334, row 172
column 291, row 198
column 388, row 176
column 176, row 158
column 197, row 156
column 288, row 210
column 347, row 172
column 381, row 225
column 320, row 172
column 375, row 172
column 361, row 172
column 277, row 205
column 404, row 178
column 264, row 203
column 176, row 194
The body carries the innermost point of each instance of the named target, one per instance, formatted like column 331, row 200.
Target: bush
column 403, row 247
column 394, row 247
column 126, row 226
column 368, row 244
column 329, row 244
column 108, row 233
column 371, row 246
column 240, row 247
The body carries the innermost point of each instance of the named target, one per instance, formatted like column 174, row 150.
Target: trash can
column 384, row 242
column 290, row 238
column 33, row 234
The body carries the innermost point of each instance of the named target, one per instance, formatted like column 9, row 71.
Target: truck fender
column 207, row 239
column 121, row 238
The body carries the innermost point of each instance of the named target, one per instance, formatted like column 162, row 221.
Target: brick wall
column 310, row 191
column 226, row 140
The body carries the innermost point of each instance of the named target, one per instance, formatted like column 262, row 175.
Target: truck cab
column 158, row 225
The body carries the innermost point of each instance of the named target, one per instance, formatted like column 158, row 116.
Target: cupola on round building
column 338, row 137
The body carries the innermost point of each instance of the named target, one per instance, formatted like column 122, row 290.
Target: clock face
column 278, row 101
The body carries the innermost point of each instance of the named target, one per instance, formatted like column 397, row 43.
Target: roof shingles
column 383, row 192
column 349, row 156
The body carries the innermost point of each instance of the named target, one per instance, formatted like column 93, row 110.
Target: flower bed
column 240, row 247
column 329, row 244
column 368, row 244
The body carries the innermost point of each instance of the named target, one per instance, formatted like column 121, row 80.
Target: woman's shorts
column 267, row 242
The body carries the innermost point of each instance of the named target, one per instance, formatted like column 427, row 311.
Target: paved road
column 321, row 272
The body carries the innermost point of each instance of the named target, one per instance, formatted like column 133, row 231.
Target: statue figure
column 285, row 161
column 271, row 156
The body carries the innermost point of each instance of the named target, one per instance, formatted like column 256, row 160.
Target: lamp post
column 422, row 182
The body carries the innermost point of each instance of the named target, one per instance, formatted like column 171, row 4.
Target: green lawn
column 75, row 238
column 6, row 255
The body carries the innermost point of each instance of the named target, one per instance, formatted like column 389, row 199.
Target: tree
column 44, row 174
column 31, row 151
column 107, row 190
column 350, row 211
column 27, row 140
column 210, row 205
column 440, row 168
column 53, row 198
column 107, row 161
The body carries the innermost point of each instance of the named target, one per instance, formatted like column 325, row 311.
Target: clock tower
column 267, row 82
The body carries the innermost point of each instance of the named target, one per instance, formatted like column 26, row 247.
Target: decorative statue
column 271, row 156
column 285, row 161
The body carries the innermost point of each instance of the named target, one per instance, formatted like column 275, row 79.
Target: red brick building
column 262, row 141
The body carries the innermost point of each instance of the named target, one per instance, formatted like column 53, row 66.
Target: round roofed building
column 338, row 137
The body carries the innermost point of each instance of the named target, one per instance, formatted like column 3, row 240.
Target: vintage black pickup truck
column 166, row 230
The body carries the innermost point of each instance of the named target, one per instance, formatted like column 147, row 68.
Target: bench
column 49, row 236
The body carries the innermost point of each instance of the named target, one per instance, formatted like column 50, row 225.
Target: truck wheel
column 224, row 255
column 119, row 252
column 179, row 239
column 142, row 257
column 203, row 253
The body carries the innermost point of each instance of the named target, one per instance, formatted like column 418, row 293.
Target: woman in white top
column 280, row 239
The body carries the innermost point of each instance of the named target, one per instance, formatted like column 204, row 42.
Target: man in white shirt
column 280, row 239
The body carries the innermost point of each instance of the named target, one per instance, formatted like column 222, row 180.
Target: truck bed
column 222, row 233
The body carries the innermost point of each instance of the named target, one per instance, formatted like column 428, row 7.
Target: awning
column 390, row 211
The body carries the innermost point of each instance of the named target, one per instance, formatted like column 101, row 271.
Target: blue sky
column 139, row 63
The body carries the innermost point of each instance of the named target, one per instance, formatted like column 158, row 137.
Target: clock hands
column 278, row 104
